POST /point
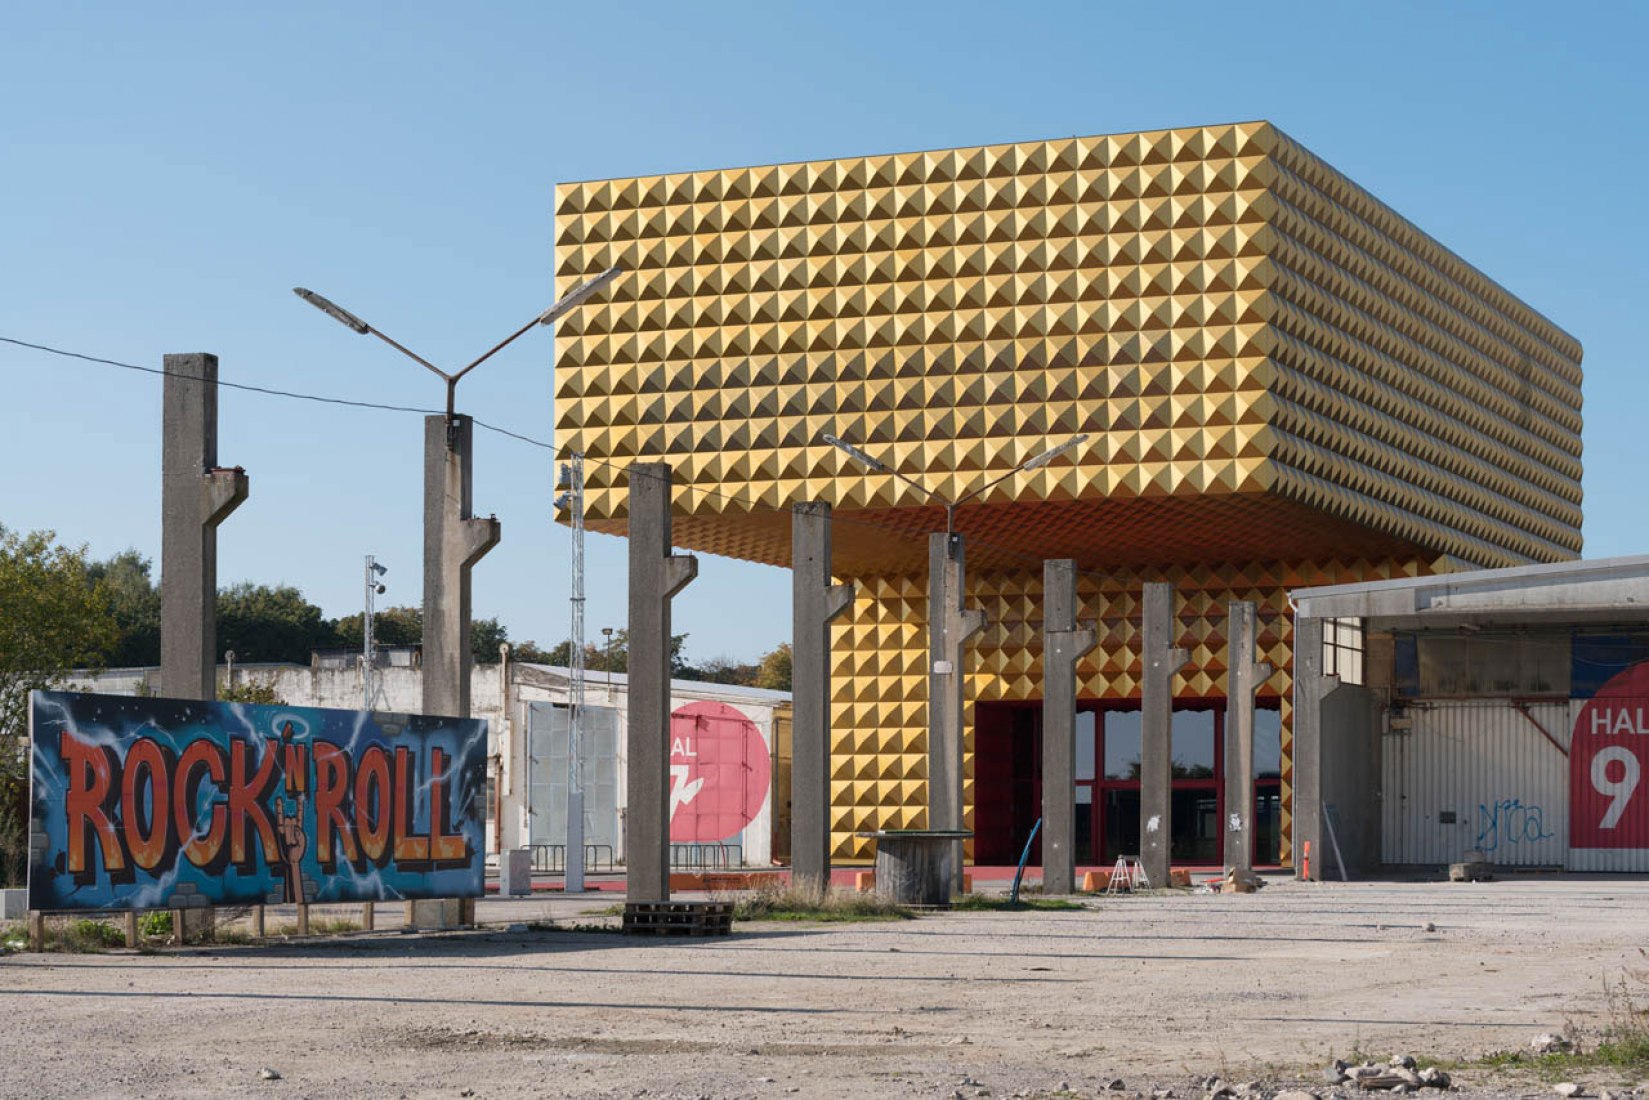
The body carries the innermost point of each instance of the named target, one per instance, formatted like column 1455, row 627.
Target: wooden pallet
column 678, row 918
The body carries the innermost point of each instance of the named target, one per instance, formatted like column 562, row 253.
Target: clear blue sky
column 171, row 171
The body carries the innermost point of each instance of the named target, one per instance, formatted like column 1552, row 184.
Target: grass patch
column 825, row 906
column 992, row 903
column 1628, row 1054
column 1623, row 1045
column 82, row 936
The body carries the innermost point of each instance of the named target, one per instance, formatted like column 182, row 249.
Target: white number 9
column 1621, row 792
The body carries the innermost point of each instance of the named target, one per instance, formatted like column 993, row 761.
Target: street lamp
column 880, row 467
column 950, row 626
column 572, row 300
column 607, row 634
column 454, row 539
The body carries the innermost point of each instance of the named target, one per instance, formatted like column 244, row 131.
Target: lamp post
column 607, row 634
column 1031, row 463
column 454, row 540
column 949, row 628
column 572, row 497
column 573, row 299
column 374, row 588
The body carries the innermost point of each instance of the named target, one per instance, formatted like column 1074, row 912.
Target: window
column 1343, row 649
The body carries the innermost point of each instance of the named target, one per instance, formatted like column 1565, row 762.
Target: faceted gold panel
column 879, row 669
column 1271, row 365
column 1223, row 312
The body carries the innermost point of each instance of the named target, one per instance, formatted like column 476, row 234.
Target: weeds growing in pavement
column 790, row 903
column 77, row 936
column 1622, row 1044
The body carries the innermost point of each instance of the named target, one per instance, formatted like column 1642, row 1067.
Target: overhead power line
column 298, row 395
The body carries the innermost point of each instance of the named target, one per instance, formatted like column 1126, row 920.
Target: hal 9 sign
column 1608, row 759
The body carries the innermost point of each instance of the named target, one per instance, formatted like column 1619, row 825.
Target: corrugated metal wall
column 1478, row 776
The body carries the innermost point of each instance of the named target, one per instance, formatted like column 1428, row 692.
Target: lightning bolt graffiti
column 681, row 791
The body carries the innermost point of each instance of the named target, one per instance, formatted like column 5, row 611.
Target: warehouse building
column 1497, row 716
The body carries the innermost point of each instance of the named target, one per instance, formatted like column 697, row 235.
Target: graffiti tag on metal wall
column 154, row 803
column 1510, row 821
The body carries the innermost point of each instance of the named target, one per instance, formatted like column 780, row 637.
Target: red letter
column 148, row 759
column 246, row 800
column 372, row 804
column 331, row 788
column 444, row 847
column 409, row 846
column 91, row 775
column 199, row 850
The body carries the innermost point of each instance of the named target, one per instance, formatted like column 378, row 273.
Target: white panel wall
column 1485, row 764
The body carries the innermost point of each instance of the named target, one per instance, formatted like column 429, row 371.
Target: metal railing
column 553, row 857
column 705, row 857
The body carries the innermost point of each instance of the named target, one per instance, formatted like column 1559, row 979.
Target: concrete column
column 1160, row 660
column 453, row 542
column 1064, row 641
column 1243, row 678
column 656, row 575
column 949, row 629
column 815, row 603
column 1311, row 688
column 195, row 496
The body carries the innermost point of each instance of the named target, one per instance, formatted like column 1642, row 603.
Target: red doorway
column 1008, row 782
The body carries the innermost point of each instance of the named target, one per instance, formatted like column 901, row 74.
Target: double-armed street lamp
column 573, row 299
column 454, row 540
column 880, row 467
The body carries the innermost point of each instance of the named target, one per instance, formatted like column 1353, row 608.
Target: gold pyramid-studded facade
column 880, row 658
column 1271, row 365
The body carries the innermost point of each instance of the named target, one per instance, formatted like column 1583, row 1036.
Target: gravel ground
column 1145, row 993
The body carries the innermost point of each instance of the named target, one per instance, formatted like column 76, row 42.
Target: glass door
column 1107, row 784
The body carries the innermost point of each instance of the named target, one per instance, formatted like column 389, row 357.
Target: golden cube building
column 1283, row 381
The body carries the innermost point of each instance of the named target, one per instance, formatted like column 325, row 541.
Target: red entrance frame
column 1008, row 784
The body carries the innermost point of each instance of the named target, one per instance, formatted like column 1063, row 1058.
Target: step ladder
column 1128, row 875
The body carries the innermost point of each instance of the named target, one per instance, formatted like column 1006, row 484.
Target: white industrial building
column 1500, row 715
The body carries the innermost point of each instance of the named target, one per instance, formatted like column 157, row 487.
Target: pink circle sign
column 719, row 773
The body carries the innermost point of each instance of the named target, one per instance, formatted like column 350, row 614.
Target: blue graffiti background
column 117, row 722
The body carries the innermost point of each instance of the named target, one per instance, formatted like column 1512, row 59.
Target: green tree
column 486, row 635
column 724, row 670
column 134, row 603
column 773, row 672
column 405, row 626
column 391, row 626
column 261, row 622
column 52, row 619
column 613, row 656
column 531, row 654
column 399, row 626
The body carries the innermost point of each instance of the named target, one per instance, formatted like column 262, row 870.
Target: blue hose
column 1024, row 858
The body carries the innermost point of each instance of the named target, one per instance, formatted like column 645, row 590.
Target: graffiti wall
column 163, row 803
